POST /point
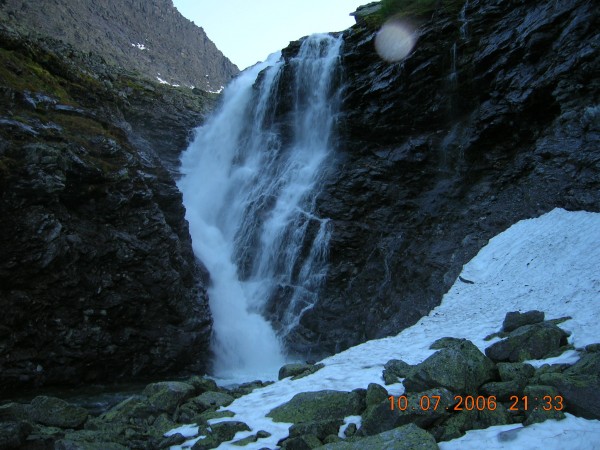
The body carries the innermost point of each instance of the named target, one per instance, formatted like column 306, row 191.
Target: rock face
column 97, row 269
column 492, row 119
column 151, row 37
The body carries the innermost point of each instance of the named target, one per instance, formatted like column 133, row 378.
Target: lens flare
column 395, row 40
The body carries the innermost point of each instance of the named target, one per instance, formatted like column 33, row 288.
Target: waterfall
column 462, row 17
column 249, row 183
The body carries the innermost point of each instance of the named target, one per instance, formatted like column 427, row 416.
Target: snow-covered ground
column 551, row 263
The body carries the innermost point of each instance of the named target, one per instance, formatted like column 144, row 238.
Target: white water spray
column 249, row 185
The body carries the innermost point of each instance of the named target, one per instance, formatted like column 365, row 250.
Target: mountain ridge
column 150, row 37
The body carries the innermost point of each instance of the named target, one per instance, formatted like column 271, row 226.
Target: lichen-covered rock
column 167, row 395
column 394, row 369
column 519, row 372
column 407, row 437
column 465, row 420
column 375, row 394
column 55, row 412
column 211, row 400
column 516, row 319
column 321, row 428
column 421, row 409
column 460, row 368
column 319, row 405
column 535, row 341
column 544, row 402
column 298, row 370
column 502, row 390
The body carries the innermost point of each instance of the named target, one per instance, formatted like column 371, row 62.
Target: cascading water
column 249, row 185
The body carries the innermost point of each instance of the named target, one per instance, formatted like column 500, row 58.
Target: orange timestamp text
column 478, row 403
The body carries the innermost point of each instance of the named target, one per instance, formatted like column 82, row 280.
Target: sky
column 247, row 32
column 549, row 263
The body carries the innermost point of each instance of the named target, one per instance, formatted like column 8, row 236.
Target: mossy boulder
column 225, row 431
column 544, row 402
column 420, row 409
column 395, row 369
column 519, row 372
column 460, row 368
column 581, row 392
column 407, row 437
column 319, row 405
column 320, row 428
column 457, row 424
column 55, row 412
column 375, row 394
column 167, row 395
column 535, row 341
column 211, row 400
column 502, row 390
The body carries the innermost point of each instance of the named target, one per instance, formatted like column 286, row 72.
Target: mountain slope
column 151, row 37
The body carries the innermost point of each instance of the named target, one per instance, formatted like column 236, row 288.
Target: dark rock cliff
column 492, row 119
column 98, row 280
column 149, row 36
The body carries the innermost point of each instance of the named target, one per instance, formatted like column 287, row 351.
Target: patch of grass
column 23, row 74
column 412, row 8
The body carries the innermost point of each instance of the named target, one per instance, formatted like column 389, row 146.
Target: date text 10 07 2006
column 479, row 403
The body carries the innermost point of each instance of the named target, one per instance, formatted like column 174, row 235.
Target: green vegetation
column 411, row 8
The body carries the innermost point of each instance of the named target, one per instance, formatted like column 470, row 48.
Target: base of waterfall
column 548, row 264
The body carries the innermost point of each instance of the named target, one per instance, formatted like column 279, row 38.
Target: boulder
column 407, row 437
column 167, row 395
column 544, row 402
column 514, row 320
column 395, row 369
column 528, row 342
column 460, row 368
column 458, row 424
column 211, row 400
column 321, row 428
column 55, row 412
column 319, row 405
column 420, row 409
column 515, row 372
column 375, row 394
column 298, row 370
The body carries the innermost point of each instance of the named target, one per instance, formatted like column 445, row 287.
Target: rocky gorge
column 492, row 118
